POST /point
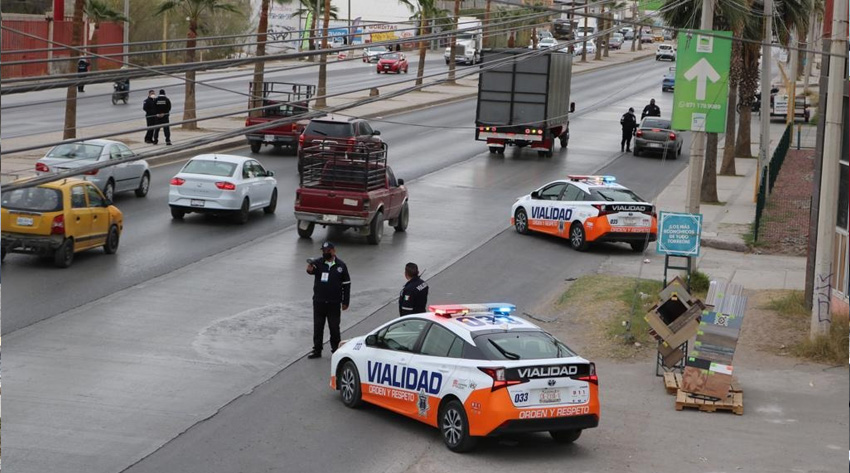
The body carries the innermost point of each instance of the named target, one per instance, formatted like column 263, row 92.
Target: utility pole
column 829, row 184
column 126, row 32
column 698, row 143
column 764, row 120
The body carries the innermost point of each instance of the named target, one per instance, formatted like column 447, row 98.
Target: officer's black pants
column 166, row 130
column 149, row 134
column 626, row 142
column 332, row 312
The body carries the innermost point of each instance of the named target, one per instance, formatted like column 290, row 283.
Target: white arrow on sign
column 702, row 72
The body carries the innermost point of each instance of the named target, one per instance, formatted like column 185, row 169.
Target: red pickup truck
column 351, row 190
column 281, row 100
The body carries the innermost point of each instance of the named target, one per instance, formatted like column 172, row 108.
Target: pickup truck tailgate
column 331, row 202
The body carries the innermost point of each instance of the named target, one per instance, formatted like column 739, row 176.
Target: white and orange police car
column 471, row 370
column 587, row 209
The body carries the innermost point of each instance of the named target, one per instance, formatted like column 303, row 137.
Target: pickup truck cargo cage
column 290, row 99
column 341, row 165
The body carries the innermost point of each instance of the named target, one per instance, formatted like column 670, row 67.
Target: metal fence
column 768, row 178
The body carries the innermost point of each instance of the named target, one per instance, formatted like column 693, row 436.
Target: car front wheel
column 521, row 221
column 403, row 219
column 454, row 426
column 111, row 245
column 269, row 209
column 349, row 385
column 144, row 185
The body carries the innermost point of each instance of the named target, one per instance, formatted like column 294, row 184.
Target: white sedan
column 222, row 184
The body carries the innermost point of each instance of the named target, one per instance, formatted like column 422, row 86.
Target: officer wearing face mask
column 149, row 106
column 331, row 289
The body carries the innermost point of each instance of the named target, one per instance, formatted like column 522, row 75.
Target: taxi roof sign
column 448, row 310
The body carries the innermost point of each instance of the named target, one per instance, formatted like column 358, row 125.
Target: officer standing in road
column 629, row 124
column 82, row 67
column 414, row 295
column 149, row 106
column 163, row 108
column 650, row 110
column 331, row 288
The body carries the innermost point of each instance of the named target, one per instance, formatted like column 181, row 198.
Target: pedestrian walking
column 149, row 106
column 82, row 67
column 331, row 292
column 650, row 110
column 629, row 123
column 414, row 295
column 163, row 109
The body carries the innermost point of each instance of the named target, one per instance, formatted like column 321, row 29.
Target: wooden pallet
column 673, row 383
column 734, row 403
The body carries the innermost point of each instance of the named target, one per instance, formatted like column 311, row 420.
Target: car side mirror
column 106, row 202
column 376, row 133
column 535, row 195
column 401, row 182
column 572, row 107
column 269, row 173
column 371, row 340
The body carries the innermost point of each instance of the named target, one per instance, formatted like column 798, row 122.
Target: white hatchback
column 222, row 184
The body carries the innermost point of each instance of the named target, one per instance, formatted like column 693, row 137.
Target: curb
column 725, row 245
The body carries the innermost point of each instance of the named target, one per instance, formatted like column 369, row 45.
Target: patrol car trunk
column 627, row 216
column 552, row 382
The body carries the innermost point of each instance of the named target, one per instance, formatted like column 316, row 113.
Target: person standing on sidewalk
column 149, row 106
column 82, row 67
column 629, row 124
column 331, row 289
column 414, row 295
column 650, row 110
column 163, row 108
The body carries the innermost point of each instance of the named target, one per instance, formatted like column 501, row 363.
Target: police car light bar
column 581, row 177
column 449, row 310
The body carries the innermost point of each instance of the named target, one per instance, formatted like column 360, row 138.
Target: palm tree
column 426, row 10
column 727, row 166
column 71, row 95
column 259, row 67
column 97, row 12
column 195, row 11
column 308, row 8
column 322, row 89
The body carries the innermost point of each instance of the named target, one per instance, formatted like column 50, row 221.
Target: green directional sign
column 702, row 81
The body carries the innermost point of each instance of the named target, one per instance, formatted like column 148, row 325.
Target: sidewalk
column 22, row 165
column 724, row 253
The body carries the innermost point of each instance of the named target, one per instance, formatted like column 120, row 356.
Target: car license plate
column 655, row 145
column 197, row 203
column 330, row 218
column 579, row 395
column 550, row 395
column 386, row 67
column 24, row 221
column 269, row 138
column 630, row 221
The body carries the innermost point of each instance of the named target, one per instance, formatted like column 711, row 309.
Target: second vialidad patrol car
column 471, row 370
column 587, row 209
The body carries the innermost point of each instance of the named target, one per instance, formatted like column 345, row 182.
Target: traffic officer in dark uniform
column 82, row 67
column 414, row 295
column 163, row 109
column 149, row 106
column 629, row 122
column 331, row 288
column 650, row 110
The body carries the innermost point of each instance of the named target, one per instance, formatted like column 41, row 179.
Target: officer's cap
column 327, row 245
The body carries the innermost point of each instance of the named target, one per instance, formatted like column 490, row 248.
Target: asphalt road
column 421, row 142
column 32, row 115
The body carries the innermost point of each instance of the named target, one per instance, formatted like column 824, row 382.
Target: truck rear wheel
column 494, row 149
column 305, row 231
column 255, row 146
column 376, row 229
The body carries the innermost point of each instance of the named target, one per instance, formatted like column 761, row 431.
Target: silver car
column 133, row 176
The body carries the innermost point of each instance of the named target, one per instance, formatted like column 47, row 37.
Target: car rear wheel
column 241, row 216
column 177, row 214
column 144, row 185
column 679, row 153
column 521, row 221
column 269, row 209
column 455, row 427
column 639, row 246
column 578, row 239
column 349, row 385
column 565, row 436
column 403, row 219
column 636, row 151
column 255, row 146
column 111, row 245
column 64, row 255
column 376, row 229
column 307, row 230
column 2, row 254
column 109, row 190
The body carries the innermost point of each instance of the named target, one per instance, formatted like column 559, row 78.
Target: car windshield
column 34, row 199
column 334, row 129
column 614, row 194
column 209, row 167
column 390, row 56
column 378, row 49
column 617, row 36
column 656, row 123
column 523, row 345
column 75, row 151
column 665, row 47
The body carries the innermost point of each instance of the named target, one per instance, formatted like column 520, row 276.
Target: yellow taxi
column 60, row 219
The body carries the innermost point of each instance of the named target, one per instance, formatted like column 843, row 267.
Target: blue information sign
column 679, row 234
